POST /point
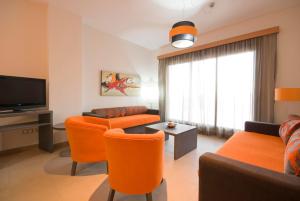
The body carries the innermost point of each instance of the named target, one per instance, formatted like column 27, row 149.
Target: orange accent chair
column 135, row 162
column 85, row 135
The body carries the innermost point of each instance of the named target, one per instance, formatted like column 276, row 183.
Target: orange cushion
column 257, row 149
column 133, row 110
column 292, row 155
column 110, row 112
column 287, row 129
column 133, row 120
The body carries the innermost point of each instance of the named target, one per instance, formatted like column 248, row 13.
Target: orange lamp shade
column 182, row 30
column 287, row 94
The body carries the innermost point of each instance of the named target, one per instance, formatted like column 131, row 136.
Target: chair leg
column 111, row 195
column 149, row 196
column 107, row 167
column 73, row 170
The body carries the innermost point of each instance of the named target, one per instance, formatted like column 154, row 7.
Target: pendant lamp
column 183, row 34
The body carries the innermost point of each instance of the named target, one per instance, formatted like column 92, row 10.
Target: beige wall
column 23, row 38
column 48, row 42
column 35, row 42
column 23, row 52
column 65, row 73
column 102, row 51
column 288, row 63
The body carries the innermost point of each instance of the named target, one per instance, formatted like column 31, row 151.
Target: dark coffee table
column 185, row 137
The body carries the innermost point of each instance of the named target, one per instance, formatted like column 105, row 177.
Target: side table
column 61, row 127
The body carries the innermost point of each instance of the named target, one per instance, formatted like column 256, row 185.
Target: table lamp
column 287, row 94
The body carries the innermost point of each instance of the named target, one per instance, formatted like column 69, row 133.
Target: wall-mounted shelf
column 44, row 125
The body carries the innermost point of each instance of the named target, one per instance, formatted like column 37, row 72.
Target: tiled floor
column 34, row 175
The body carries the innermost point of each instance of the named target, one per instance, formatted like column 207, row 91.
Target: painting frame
column 119, row 84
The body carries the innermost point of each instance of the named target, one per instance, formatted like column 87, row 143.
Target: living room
column 240, row 65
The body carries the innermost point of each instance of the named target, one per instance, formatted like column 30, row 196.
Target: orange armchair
column 85, row 135
column 135, row 162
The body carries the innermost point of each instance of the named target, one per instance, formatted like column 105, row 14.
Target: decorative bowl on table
column 171, row 124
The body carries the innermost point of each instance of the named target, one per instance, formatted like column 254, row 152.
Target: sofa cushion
column 110, row 112
column 287, row 129
column 133, row 110
column 120, row 111
column 133, row 120
column 292, row 155
column 257, row 149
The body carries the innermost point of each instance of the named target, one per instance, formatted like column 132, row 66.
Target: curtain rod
column 247, row 36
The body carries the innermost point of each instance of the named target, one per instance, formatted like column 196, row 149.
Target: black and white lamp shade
column 183, row 34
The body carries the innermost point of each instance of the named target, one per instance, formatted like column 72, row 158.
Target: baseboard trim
column 21, row 149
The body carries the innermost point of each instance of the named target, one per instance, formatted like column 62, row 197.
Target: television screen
column 20, row 92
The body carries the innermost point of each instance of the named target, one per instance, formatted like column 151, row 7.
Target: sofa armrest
column 224, row 179
column 262, row 127
column 152, row 111
column 91, row 114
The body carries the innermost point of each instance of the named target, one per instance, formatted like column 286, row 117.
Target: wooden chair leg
column 73, row 170
column 111, row 195
column 149, row 196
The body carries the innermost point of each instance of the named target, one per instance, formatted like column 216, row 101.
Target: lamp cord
column 183, row 6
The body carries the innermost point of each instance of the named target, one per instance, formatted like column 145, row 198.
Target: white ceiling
column 147, row 22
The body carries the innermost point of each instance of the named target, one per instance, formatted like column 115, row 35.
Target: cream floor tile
column 34, row 175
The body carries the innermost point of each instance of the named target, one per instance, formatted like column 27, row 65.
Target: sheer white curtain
column 235, row 90
column 212, row 93
column 191, row 92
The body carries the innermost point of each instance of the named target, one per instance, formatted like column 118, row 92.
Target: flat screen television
column 18, row 93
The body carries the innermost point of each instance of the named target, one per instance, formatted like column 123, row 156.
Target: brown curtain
column 162, row 87
column 265, row 73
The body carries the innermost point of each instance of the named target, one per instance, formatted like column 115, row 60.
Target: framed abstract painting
column 119, row 84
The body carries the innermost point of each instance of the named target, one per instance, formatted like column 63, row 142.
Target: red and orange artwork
column 119, row 84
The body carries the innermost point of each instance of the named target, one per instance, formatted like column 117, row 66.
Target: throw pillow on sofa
column 292, row 155
column 287, row 129
column 110, row 112
column 133, row 110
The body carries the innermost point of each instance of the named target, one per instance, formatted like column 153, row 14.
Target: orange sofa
column 132, row 119
column 248, row 167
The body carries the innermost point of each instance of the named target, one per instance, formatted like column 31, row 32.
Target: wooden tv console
column 44, row 124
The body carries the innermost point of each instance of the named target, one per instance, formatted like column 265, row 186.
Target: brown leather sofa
column 132, row 119
column 248, row 167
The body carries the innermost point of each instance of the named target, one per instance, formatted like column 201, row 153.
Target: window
column 216, row 92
